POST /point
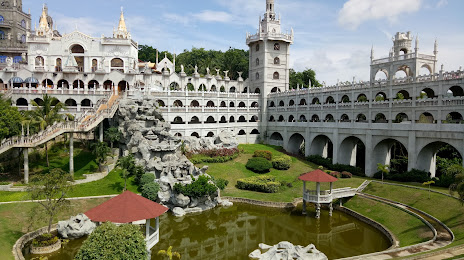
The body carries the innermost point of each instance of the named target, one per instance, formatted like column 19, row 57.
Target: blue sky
column 332, row 37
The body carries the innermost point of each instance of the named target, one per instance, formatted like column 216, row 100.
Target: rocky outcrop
column 76, row 227
column 286, row 250
column 147, row 137
column 225, row 139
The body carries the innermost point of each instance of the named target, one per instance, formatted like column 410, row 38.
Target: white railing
column 153, row 239
column 326, row 196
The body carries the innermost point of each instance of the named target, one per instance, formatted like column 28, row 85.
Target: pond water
column 234, row 232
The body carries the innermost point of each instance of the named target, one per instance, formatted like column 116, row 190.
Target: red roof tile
column 317, row 176
column 126, row 208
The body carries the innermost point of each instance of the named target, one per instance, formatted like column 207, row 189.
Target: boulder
column 286, row 251
column 181, row 200
column 76, row 227
column 178, row 212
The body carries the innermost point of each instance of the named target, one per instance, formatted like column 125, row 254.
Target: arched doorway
column 322, row 146
column 296, row 144
column 276, row 139
column 123, row 86
column 390, row 152
column 430, row 158
column 352, row 152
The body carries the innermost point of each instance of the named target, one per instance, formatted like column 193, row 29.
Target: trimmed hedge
column 327, row 163
column 266, row 184
column 213, row 156
column 258, row 165
column 197, row 159
column 263, row 154
column 282, row 162
column 411, row 176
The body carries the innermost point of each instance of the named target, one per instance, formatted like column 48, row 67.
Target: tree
column 384, row 169
column 50, row 192
column 10, row 119
column 457, row 171
column 302, row 79
column 101, row 151
column 127, row 165
column 429, row 183
column 114, row 135
column 46, row 114
column 111, row 242
column 169, row 254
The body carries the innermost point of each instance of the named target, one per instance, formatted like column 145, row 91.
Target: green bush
column 327, row 163
column 109, row 242
column 147, row 178
column 264, row 183
column 150, row 191
column 282, row 162
column 444, row 181
column 319, row 160
column 197, row 159
column 221, row 183
column 263, row 154
column 334, row 174
column 258, row 165
column 198, row 188
column 411, row 176
column 346, row 175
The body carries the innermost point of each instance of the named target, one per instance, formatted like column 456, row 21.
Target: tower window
column 2, row 19
column 257, row 47
column 23, row 24
column 23, row 38
column 257, row 62
column 276, row 75
column 2, row 35
column 276, row 61
column 257, row 75
column 277, row 47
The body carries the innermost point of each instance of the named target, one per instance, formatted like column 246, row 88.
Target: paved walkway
column 75, row 198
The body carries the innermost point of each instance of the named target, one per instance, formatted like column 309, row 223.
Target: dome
column 16, row 80
column 31, row 80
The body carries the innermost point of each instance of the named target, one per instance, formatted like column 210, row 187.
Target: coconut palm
column 114, row 135
column 101, row 152
column 127, row 165
column 47, row 114
column 384, row 169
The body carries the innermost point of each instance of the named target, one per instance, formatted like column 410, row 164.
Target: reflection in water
column 234, row 232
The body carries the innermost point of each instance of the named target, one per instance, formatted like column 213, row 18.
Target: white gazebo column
column 26, row 165
column 318, row 205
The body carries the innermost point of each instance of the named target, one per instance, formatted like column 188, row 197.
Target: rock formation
column 76, row 227
column 225, row 139
column 146, row 136
column 286, row 250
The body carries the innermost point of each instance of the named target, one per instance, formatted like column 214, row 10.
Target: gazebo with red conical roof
column 316, row 196
column 129, row 207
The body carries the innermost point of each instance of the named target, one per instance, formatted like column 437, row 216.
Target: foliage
column 10, row 119
column 384, row 169
column 198, row 188
column 221, row 183
column 113, row 135
column 458, row 186
column 362, row 99
column 302, row 79
column 46, row 114
column 101, row 151
column 263, row 183
column 379, row 98
column 263, row 154
column 414, row 175
column 169, row 254
column 282, row 162
column 147, row 178
column 150, row 190
column 50, row 190
column 44, row 240
column 127, row 165
column 346, row 175
column 139, row 171
column 327, row 163
column 258, row 165
column 111, row 242
column 213, row 155
column 399, row 96
column 334, row 174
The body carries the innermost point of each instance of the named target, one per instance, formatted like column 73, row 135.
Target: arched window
column 276, row 61
column 77, row 49
column 276, row 75
column 23, row 38
column 2, row 19
column 2, row 35
column 277, row 47
column 117, row 63
column 257, row 47
column 39, row 61
column 23, row 23
column 257, row 75
column 257, row 62
column 94, row 65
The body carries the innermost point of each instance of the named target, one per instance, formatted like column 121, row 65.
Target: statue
column 196, row 69
column 23, row 57
column 226, row 72
column 9, row 62
column 217, row 72
column 182, row 68
column 207, row 70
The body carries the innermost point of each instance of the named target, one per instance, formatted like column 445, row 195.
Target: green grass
column 15, row 221
column 448, row 210
column 235, row 169
column 408, row 229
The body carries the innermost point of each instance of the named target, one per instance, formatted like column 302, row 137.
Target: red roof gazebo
column 316, row 197
column 129, row 207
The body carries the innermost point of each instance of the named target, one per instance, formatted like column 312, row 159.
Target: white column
column 71, row 154
column 26, row 165
column 101, row 132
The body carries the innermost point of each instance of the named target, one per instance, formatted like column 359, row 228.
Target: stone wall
column 22, row 241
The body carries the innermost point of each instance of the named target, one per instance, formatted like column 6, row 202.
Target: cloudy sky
column 332, row 37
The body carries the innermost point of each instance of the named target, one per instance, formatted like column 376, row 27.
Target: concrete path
column 76, row 198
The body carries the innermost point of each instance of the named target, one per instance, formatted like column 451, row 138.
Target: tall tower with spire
column 121, row 32
column 44, row 28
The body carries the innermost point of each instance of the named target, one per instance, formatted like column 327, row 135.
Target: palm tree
column 114, row 135
column 47, row 114
column 384, row 169
column 127, row 165
column 169, row 254
column 101, row 151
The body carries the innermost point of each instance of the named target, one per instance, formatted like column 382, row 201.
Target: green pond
column 234, row 232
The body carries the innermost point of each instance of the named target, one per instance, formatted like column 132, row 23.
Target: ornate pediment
column 76, row 35
column 39, row 49
column 117, row 52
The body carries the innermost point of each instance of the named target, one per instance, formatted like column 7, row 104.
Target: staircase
column 363, row 185
column 104, row 109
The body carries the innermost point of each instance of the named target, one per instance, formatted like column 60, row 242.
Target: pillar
column 318, row 205
column 101, row 132
column 304, row 201
column 335, row 145
column 368, row 157
column 412, row 153
column 26, row 165
column 71, row 154
column 354, row 153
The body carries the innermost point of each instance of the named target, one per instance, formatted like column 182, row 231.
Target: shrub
column 346, row 175
column 221, row 183
column 147, row 178
column 150, row 191
column 258, row 165
column 411, row 176
column 319, row 160
column 263, row 154
column 334, row 174
column 213, row 156
column 327, row 163
column 198, row 188
column 109, row 241
column 45, row 240
column 444, row 180
column 265, row 183
column 282, row 162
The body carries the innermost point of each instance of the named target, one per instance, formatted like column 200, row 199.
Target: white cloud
column 442, row 3
column 214, row 16
column 356, row 12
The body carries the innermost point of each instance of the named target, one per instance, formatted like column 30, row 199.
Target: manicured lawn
column 15, row 221
column 448, row 210
column 234, row 170
column 408, row 229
